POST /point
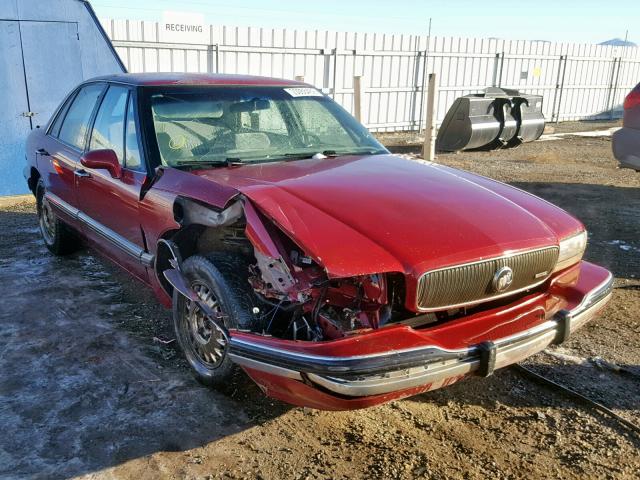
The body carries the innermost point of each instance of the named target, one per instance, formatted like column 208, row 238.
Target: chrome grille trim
column 470, row 283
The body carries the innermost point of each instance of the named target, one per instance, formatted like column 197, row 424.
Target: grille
column 473, row 282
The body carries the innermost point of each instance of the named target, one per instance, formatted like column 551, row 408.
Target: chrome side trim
column 62, row 205
column 429, row 366
column 130, row 248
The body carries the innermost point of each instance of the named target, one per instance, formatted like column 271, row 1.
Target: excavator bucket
column 496, row 118
column 528, row 115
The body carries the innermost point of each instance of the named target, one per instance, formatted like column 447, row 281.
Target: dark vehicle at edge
column 626, row 141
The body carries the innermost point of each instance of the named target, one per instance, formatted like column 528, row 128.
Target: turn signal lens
column 57, row 167
column 633, row 99
column 571, row 250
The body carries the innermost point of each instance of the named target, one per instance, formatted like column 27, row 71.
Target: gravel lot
column 90, row 388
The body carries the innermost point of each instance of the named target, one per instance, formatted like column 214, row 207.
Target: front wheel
column 219, row 282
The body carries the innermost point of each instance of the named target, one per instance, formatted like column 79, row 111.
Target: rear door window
column 76, row 122
column 108, row 129
column 57, row 123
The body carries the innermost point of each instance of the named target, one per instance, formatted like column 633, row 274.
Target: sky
column 589, row 21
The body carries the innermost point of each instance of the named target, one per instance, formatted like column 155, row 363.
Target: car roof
column 155, row 79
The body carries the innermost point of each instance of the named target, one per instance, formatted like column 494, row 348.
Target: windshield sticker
column 303, row 92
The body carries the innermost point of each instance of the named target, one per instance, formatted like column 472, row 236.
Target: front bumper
column 343, row 381
column 482, row 358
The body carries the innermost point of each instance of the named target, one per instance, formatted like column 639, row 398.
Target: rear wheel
column 58, row 238
column 221, row 283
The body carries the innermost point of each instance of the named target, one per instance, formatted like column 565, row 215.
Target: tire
column 57, row 236
column 219, row 281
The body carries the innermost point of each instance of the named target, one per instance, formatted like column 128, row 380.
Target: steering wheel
column 310, row 139
column 209, row 145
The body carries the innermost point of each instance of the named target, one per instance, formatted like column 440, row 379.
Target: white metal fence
column 577, row 81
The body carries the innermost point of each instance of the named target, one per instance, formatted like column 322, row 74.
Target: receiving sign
column 183, row 27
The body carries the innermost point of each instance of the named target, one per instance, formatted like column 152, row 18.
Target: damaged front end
column 295, row 298
column 350, row 342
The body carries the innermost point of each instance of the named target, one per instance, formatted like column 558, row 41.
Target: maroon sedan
column 288, row 241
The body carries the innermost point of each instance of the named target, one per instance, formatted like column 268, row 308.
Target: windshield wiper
column 332, row 153
column 227, row 162
column 303, row 155
column 362, row 151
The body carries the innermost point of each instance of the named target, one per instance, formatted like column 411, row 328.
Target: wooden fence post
column 358, row 98
column 429, row 146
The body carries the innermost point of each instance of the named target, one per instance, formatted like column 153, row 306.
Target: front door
column 110, row 205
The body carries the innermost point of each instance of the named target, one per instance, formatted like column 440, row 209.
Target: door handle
column 82, row 174
column 43, row 152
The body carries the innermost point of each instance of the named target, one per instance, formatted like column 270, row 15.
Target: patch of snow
column 624, row 246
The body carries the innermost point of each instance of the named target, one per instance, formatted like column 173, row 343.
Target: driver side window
column 108, row 129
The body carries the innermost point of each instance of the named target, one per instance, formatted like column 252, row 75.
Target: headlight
column 571, row 250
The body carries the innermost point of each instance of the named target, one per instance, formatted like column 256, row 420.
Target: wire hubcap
column 47, row 221
column 206, row 340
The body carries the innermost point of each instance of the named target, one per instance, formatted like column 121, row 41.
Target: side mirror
column 106, row 159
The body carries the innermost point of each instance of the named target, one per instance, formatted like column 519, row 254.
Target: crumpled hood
column 359, row 215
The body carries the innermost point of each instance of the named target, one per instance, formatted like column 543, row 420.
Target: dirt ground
column 89, row 387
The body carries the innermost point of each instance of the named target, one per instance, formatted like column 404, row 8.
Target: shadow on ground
column 82, row 386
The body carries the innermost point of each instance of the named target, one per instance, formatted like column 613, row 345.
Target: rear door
column 59, row 157
column 110, row 205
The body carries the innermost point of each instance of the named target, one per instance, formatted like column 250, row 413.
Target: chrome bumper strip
column 374, row 374
column 354, row 365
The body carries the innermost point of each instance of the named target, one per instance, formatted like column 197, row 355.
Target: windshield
column 198, row 126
